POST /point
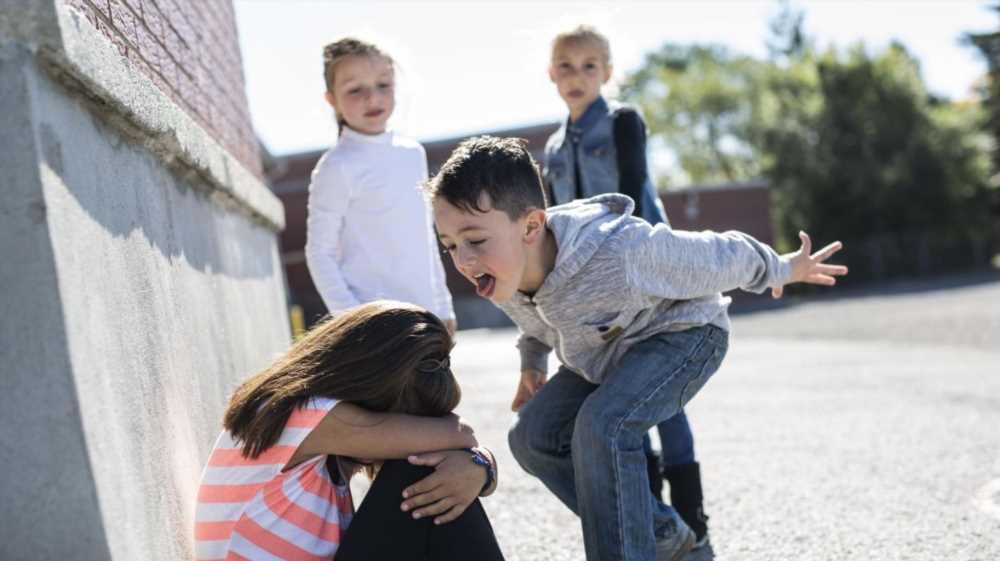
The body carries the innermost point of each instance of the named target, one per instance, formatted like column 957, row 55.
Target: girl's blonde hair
column 383, row 356
column 337, row 51
column 583, row 35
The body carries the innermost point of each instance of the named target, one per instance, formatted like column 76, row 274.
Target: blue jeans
column 676, row 441
column 584, row 441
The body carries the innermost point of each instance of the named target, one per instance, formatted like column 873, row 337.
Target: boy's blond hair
column 583, row 35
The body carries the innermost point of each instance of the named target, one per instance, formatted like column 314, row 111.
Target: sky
column 467, row 67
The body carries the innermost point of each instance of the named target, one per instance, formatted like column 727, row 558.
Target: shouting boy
column 636, row 317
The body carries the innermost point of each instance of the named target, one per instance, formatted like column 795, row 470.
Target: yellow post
column 298, row 321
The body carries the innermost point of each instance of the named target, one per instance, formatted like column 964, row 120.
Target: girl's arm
column 329, row 198
column 456, row 482
column 350, row 430
column 630, row 149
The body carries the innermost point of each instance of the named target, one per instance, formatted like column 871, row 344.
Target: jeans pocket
column 709, row 361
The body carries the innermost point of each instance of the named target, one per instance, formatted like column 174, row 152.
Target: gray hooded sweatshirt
column 618, row 281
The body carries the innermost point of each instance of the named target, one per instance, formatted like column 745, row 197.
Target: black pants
column 380, row 530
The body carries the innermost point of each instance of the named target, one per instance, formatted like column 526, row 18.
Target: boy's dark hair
column 502, row 168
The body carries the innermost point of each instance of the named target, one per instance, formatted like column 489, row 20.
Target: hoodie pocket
column 603, row 328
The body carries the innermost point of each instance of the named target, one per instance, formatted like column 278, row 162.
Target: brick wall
column 190, row 50
column 744, row 207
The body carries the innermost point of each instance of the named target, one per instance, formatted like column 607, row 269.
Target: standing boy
column 634, row 312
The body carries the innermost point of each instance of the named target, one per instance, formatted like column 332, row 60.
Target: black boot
column 655, row 479
column 686, row 498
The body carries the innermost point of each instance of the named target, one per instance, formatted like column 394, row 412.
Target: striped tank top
column 248, row 509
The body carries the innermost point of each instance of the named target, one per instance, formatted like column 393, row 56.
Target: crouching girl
column 372, row 391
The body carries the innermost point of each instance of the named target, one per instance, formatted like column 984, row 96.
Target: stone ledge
column 82, row 60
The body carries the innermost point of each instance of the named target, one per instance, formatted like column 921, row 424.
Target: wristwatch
column 480, row 458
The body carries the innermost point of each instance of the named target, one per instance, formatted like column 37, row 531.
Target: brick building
column 730, row 206
column 743, row 207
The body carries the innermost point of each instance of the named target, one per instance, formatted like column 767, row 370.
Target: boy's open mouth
column 485, row 284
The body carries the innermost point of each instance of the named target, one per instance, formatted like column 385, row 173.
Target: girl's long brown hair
column 383, row 356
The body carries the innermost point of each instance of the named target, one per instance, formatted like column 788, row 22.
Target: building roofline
column 303, row 155
column 520, row 130
column 280, row 161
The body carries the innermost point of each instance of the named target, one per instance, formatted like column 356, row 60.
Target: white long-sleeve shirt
column 369, row 230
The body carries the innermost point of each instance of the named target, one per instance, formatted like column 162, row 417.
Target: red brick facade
column 739, row 206
column 191, row 52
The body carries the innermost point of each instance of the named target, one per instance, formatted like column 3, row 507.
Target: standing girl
column 369, row 232
column 373, row 382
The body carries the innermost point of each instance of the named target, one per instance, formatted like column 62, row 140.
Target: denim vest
column 590, row 143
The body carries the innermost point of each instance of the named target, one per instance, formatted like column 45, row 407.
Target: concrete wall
column 141, row 281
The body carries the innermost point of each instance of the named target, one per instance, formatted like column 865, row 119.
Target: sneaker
column 676, row 545
column 700, row 542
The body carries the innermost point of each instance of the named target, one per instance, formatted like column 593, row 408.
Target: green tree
column 988, row 45
column 697, row 101
column 851, row 142
column 869, row 154
column 787, row 37
column 710, row 106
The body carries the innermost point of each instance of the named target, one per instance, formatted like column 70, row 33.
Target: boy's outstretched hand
column 810, row 268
